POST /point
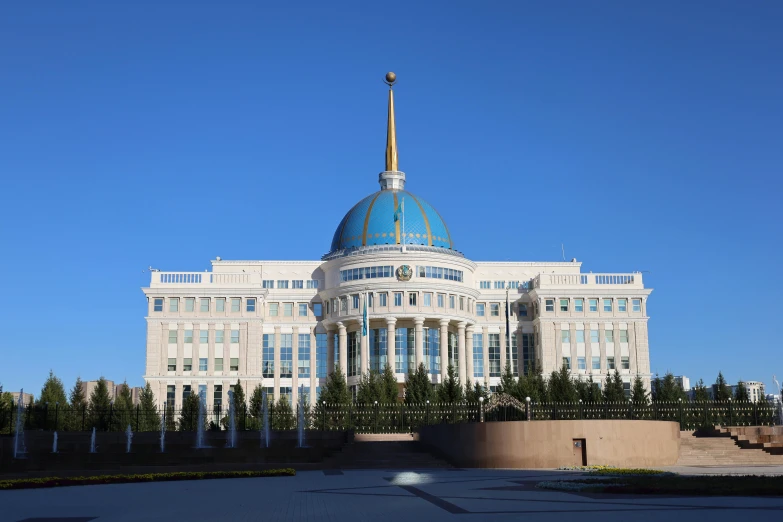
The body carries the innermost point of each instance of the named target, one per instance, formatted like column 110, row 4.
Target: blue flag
column 398, row 212
column 364, row 318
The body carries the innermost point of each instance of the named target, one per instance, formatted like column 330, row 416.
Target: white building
column 683, row 382
column 283, row 324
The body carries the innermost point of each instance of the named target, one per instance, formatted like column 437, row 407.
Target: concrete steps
column 722, row 449
column 384, row 451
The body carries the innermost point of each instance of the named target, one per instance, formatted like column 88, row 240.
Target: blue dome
column 371, row 222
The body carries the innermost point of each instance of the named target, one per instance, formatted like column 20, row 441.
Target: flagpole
column 403, row 224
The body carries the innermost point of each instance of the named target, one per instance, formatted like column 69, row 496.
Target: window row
column 217, row 394
column 296, row 284
column 288, row 309
column 595, row 363
column 203, row 336
column 217, row 364
column 503, row 285
column 366, row 272
column 204, row 304
column 286, row 355
column 436, row 272
column 607, row 305
column 609, row 337
column 494, row 309
column 342, row 304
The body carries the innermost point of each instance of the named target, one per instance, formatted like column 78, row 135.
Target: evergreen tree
column 722, row 390
column 283, row 415
column 335, row 390
column 508, row 384
column 741, row 395
column 100, row 406
column 655, row 386
column 539, row 390
column 613, row 388
column 639, row 393
column 256, row 420
column 389, row 389
column 450, row 391
column 700, row 392
column 470, row 396
column 77, row 405
column 148, row 411
column 370, row 388
column 6, row 400
column 188, row 416
column 418, row 387
column 594, row 395
column 123, row 406
column 667, row 389
column 52, row 392
column 240, row 405
column 171, row 423
column 561, row 386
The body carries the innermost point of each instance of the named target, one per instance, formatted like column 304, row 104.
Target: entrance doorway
column 580, row 452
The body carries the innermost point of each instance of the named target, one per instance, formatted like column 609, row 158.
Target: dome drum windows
column 367, row 272
column 436, row 272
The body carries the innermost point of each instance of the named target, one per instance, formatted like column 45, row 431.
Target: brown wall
column 549, row 444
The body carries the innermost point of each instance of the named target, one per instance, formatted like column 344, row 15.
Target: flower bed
column 53, row 482
column 672, row 484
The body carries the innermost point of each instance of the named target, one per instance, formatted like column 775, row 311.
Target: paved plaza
column 374, row 495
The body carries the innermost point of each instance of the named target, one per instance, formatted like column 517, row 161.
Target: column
column 295, row 369
column 419, row 340
column 313, row 372
column 329, row 352
column 343, row 348
column 276, row 391
column 391, row 351
column 469, row 353
column 444, row 348
column 463, row 363
column 502, row 349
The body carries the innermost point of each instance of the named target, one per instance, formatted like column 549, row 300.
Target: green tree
column 589, row 391
column 100, row 406
column 667, row 389
column 50, row 401
column 256, row 420
column 188, row 416
column 561, row 386
column 123, row 406
column 474, row 391
column 149, row 420
column 77, row 405
column 390, row 391
column 613, row 388
column 370, row 388
column 722, row 390
column 240, row 405
column 700, row 392
column 538, row 391
column 741, row 394
column 283, row 415
column 639, row 393
column 508, row 383
column 171, row 423
column 418, row 386
column 6, row 401
column 450, row 391
column 335, row 390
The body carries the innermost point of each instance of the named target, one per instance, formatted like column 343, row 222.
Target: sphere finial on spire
column 390, row 78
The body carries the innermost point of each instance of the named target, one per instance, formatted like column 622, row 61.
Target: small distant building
column 89, row 386
column 27, row 398
column 135, row 393
column 755, row 390
column 683, row 382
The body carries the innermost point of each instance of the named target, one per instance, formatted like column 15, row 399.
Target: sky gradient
column 643, row 137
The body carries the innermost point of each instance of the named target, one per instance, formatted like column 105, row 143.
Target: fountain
column 300, row 424
column 163, row 434
column 200, row 425
column 232, row 423
column 93, row 448
column 54, row 443
column 265, row 417
column 19, row 447
column 128, row 437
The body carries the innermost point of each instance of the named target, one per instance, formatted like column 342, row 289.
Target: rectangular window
column 286, row 356
column 494, row 309
column 282, row 284
column 610, row 363
column 565, row 336
column 440, row 300
column 609, row 336
column 302, row 309
column 317, row 309
column 218, row 336
column 564, row 305
column 579, row 305
column 344, row 305
column 404, row 350
column 367, row 272
column 189, row 336
column 187, row 364
column 173, row 305
column 297, row 284
column 172, row 364
column 412, row 298
column 202, row 364
column 581, row 364
column 250, row 303
column 480, row 309
column 378, row 349
column 157, row 304
column 500, row 285
column 451, row 301
column 623, row 336
column 478, row 355
column 596, row 362
column 172, row 337
column 626, row 362
column 607, row 305
column 593, row 304
column 233, row 364
column 580, row 336
column 637, row 305
column 550, row 305
column 234, row 336
column 171, row 391
column 190, row 304
column 303, row 354
column 397, row 298
column 217, row 397
column 288, row 309
column 382, row 299
column 485, row 285
column 274, row 309
column 204, row 302
column 220, row 304
column 622, row 305
column 594, row 336
column 494, row 355
column 320, row 355
column 218, row 364
column 370, row 300
column 355, row 301
column 268, row 356
column 312, row 283
column 431, row 338
column 522, row 310
column 235, row 304
column 268, row 283
column 567, row 362
column 427, row 299
column 354, row 357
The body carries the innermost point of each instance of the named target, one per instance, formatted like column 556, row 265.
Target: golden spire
column 391, row 133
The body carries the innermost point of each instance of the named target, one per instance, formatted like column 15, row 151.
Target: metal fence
column 388, row 418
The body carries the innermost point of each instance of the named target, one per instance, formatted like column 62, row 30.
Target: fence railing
column 387, row 418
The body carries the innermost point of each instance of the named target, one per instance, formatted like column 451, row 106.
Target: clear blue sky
column 643, row 137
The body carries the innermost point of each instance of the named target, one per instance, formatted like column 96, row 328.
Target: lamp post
column 527, row 408
column 481, row 409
